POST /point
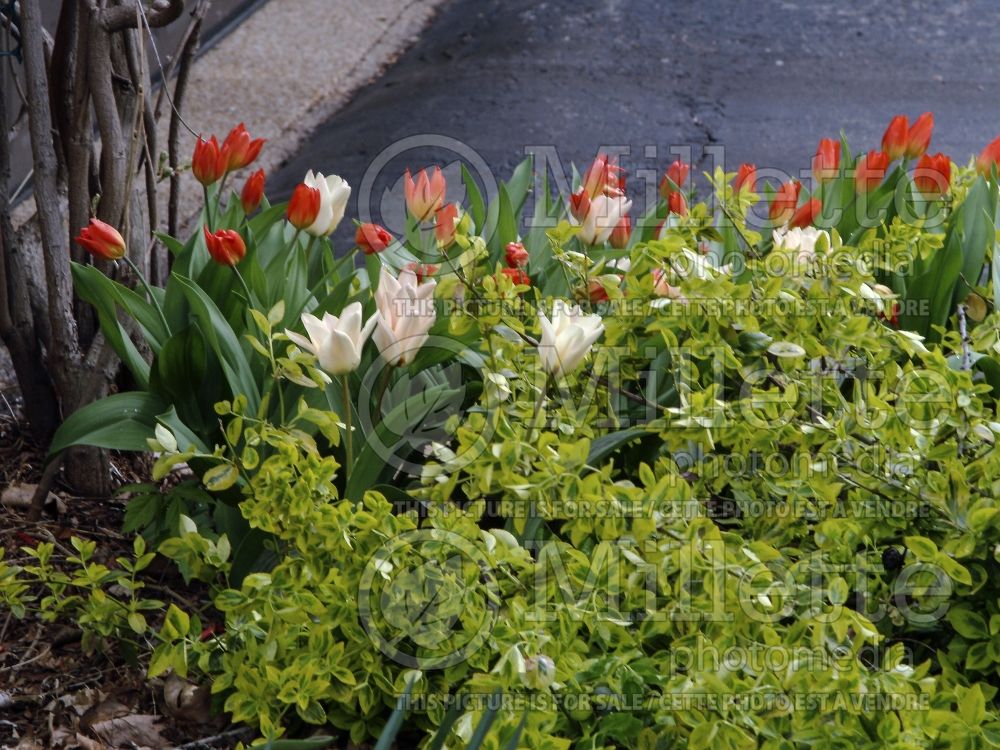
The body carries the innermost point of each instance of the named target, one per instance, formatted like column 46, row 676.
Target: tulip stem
column 536, row 425
column 208, row 210
column 243, row 283
column 149, row 293
column 348, row 436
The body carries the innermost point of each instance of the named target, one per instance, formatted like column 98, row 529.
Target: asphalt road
column 762, row 80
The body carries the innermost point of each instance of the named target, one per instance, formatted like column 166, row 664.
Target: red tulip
column 253, row 192
column 579, row 204
column 207, row 164
column 806, row 214
column 826, row 162
column 989, row 156
column 238, row 150
column 870, row 171
column 517, row 256
column 918, row 137
column 784, row 202
column 895, row 138
column 620, row 234
column 604, row 177
column 596, row 291
column 422, row 271
column 674, row 178
column 446, row 223
column 226, row 246
column 101, row 240
column 516, row 275
column 303, row 208
column 372, row 238
column 932, row 177
column 425, row 196
column 746, row 177
column 676, row 204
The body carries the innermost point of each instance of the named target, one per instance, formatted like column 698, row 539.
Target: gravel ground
column 763, row 80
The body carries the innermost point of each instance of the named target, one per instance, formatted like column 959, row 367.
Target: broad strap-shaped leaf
column 123, row 421
column 223, row 341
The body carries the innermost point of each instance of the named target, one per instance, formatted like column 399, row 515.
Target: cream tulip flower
column 333, row 194
column 336, row 342
column 602, row 217
column 404, row 314
column 567, row 338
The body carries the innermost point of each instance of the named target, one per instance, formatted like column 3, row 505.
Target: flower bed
column 618, row 482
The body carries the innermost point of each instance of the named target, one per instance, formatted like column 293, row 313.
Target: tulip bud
column 989, row 156
column 674, row 178
column 870, row 171
column 596, row 291
column 806, row 214
column 918, row 137
column 826, row 162
column 425, row 196
column 517, row 276
column 238, row 150
column 784, row 202
column 333, row 195
column 895, row 137
column 253, row 192
column 207, row 164
column 101, row 240
column 303, row 208
column 746, row 177
column 446, row 221
column 372, row 238
column 602, row 218
column 226, row 246
column 517, row 256
column 932, row 176
column 676, row 204
column 621, row 233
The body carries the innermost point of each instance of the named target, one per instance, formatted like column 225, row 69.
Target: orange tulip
column 989, row 157
column 101, row 240
column 422, row 271
column 895, row 138
column 932, row 177
column 674, row 178
column 303, row 208
column 676, row 204
column 516, row 254
column 870, row 171
column 425, row 196
column 826, row 162
column 207, row 164
column 238, row 150
column 372, row 238
column 746, row 177
column 784, row 202
column 604, row 177
column 579, row 204
column 918, row 137
column 806, row 214
column 253, row 192
column 226, row 246
column 446, row 224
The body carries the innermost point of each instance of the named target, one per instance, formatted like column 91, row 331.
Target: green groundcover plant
column 682, row 483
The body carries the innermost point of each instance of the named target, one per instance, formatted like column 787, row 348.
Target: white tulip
column 336, row 342
column 405, row 313
column 603, row 216
column 801, row 244
column 333, row 194
column 567, row 338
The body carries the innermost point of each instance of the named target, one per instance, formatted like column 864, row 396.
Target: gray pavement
column 764, row 79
